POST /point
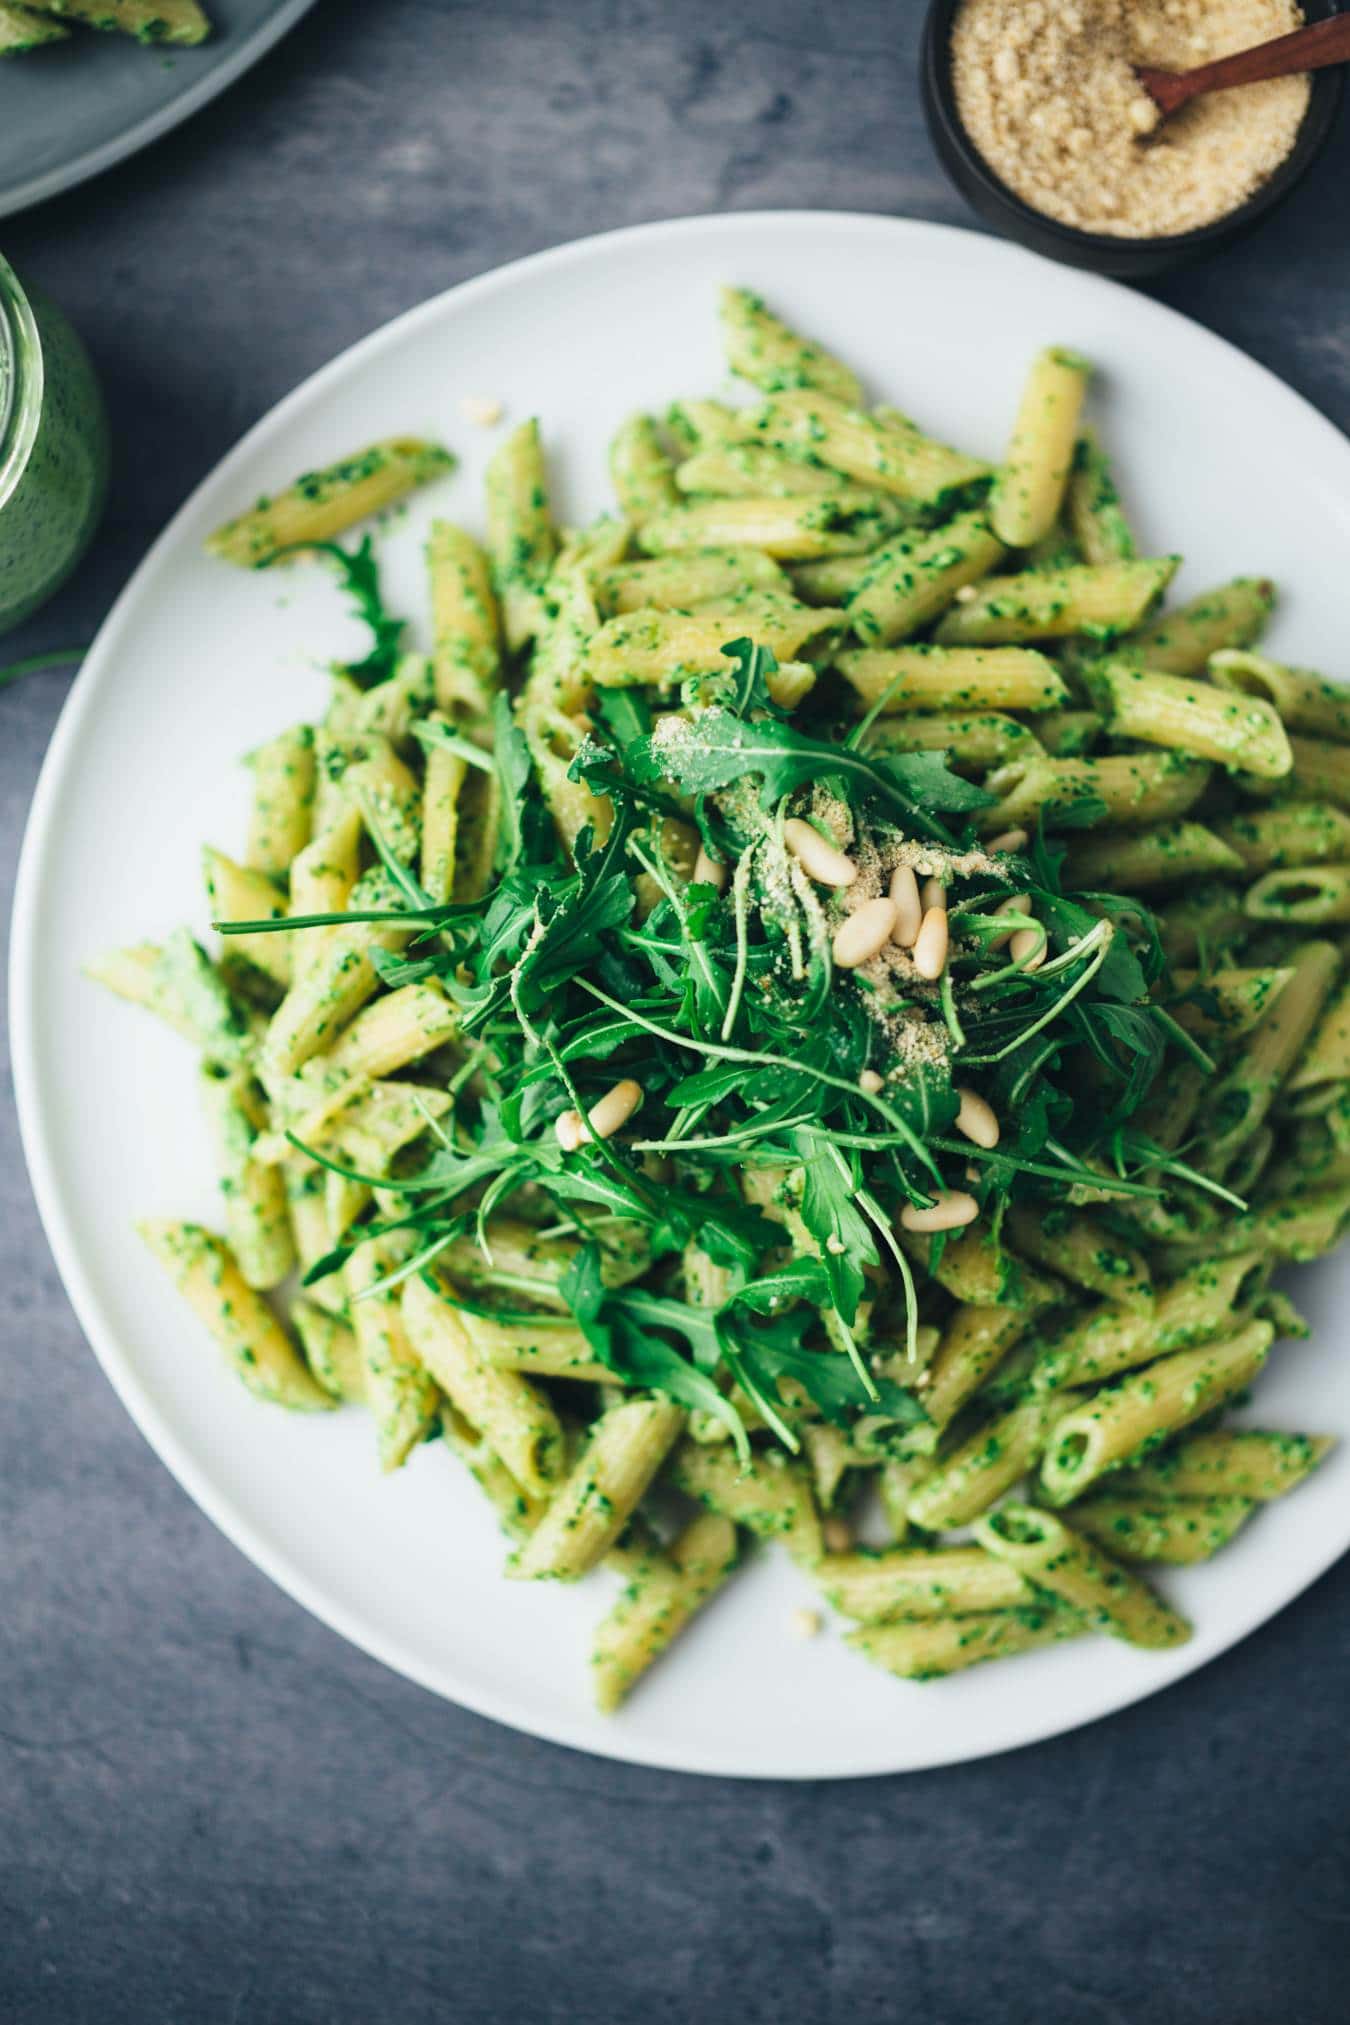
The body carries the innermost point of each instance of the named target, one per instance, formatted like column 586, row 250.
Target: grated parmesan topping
column 1048, row 95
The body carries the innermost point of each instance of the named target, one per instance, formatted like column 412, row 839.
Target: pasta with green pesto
column 799, row 1018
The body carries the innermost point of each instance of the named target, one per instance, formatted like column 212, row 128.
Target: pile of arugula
column 749, row 1048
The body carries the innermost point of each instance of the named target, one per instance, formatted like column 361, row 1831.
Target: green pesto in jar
column 53, row 450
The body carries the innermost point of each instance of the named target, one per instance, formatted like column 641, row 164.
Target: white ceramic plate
column 198, row 663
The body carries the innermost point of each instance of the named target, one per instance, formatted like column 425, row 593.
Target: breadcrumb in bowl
column 1118, row 211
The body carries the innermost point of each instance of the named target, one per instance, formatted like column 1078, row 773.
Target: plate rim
column 235, row 1523
column 254, row 45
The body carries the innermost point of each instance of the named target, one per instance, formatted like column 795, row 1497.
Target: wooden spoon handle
column 1326, row 42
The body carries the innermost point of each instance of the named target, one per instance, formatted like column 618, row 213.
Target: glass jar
column 53, row 450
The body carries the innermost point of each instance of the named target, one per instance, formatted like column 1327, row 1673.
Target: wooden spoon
column 1314, row 48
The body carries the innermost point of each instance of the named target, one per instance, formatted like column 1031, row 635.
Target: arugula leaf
column 718, row 748
column 360, row 576
column 831, row 1214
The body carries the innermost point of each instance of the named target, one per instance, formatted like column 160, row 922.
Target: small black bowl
column 1103, row 253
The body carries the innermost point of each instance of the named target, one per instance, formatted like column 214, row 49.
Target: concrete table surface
column 213, row 1809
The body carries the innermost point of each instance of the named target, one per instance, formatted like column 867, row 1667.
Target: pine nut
column 708, row 872
column 1029, row 948
column 908, row 906
column 976, row 1119
column 806, row 1623
column 570, row 1127
column 1017, row 904
column 934, row 894
column 870, row 1081
column 1009, row 840
column 818, row 859
column 951, row 1209
column 865, row 934
column 615, row 1108
column 837, row 1534
column 930, row 950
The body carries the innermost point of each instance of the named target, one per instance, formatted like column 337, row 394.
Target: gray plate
column 74, row 108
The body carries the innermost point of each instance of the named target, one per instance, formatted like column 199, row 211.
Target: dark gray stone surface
column 215, row 1811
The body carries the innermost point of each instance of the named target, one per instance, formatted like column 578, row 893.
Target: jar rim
column 21, row 381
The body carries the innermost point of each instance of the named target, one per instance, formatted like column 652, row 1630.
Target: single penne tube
column 680, row 581
column 1204, row 1301
column 521, row 538
column 832, row 580
column 936, row 1582
column 1144, row 1410
column 1287, row 834
column 1321, row 769
column 178, row 982
column 1305, row 896
column 395, row 1029
column 1171, row 855
column 642, row 474
column 663, row 649
column 945, row 1645
column 149, row 21
column 400, row 1391
column 385, row 792
column 1209, row 916
column 1306, row 702
column 772, row 1498
column 974, row 1341
column 542, row 1346
column 513, row 1416
column 257, row 1224
column 906, row 463
column 304, row 1182
column 909, row 581
column 331, row 1350
column 1055, row 1558
column 1226, row 1462
column 763, row 349
column 975, row 1268
column 321, row 504
column 281, row 819
column 1325, row 1061
column 663, row 1592
column 1238, row 1103
column 1226, row 1002
column 1180, row 642
column 1193, row 716
column 907, row 679
column 554, row 740
column 1297, row 1228
column 21, row 29
column 1067, row 734
column 321, row 881
column 788, row 529
column 237, row 893
column 517, row 1512
column 206, row 1273
column 986, row 1465
column 1135, row 788
column 1101, row 601
column 1084, row 1251
column 1029, row 490
column 390, row 708
column 753, row 471
column 319, row 1005
column 442, row 782
column 589, row 1510
column 975, row 741
column 1092, row 507
column 1179, row 1531
column 466, row 628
